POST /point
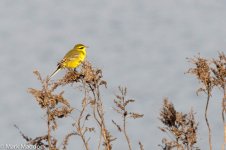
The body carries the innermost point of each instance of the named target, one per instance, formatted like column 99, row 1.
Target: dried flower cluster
column 182, row 128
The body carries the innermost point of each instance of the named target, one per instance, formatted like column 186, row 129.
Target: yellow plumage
column 72, row 59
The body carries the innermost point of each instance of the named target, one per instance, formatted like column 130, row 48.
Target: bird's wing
column 70, row 56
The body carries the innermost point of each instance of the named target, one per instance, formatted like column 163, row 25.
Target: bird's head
column 80, row 47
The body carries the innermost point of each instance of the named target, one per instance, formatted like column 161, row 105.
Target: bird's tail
column 55, row 72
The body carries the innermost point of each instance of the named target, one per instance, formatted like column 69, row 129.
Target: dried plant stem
column 80, row 127
column 223, row 111
column 80, row 132
column 98, row 122
column 103, row 127
column 206, row 118
column 124, row 125
column 125, row 132
column 95, row 116
column 45, row 87
column 49, row 129
column 223, row 106
column 99, row 143
column 83, row 139
column 99, row 116
column 224, row 134
column 107, row 142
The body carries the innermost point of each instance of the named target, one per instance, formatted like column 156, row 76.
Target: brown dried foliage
column 90, row 80
column 211, row 73
column 182, row 128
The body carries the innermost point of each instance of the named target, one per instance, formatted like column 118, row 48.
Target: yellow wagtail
column 72, row 59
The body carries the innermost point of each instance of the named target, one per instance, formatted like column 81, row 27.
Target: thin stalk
column 49, row 129
column 99, row 143
column 99, row 117
column 223, row 111
column 223, row 104
column 125, row 133
column 79, row 128
column 95, row 116
column 124, row 125
column 207, row 122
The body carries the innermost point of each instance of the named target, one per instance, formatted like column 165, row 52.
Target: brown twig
column 206, row 118
column 125, row 113
column 121, row 108
column 125, row 133
column 80, row 128
column 49, row 129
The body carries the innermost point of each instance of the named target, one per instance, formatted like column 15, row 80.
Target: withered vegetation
column 121, row 104
column 211, row 73
column 56, row 106
column 181, row 128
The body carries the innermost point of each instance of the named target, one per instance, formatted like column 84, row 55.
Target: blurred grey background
column 139, row 44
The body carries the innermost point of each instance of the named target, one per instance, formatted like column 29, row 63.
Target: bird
column 72, row 59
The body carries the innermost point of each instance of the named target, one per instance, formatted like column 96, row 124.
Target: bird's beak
column 87, row 46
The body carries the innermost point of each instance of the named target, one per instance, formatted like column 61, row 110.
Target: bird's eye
column 81, row 47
